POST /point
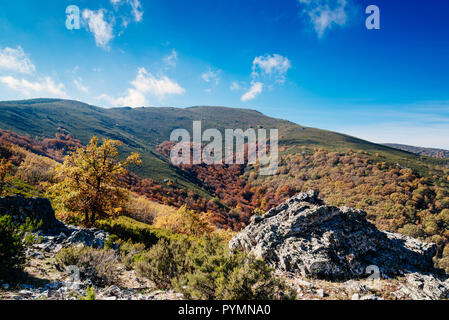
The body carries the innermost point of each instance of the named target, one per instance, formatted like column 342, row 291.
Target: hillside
column 142, row 129
column 400, row 191
column 428, row 152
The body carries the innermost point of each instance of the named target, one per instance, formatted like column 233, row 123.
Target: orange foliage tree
column 88, row 180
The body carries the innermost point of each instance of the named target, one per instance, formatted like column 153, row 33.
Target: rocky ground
column 324, row 252
column 328, row 252
column 45, row 282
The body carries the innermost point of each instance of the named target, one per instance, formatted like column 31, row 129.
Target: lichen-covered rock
column 88, row 237
column 423, row 287
column 305, row 236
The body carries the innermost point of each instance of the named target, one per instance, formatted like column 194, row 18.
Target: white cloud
column 253, row 92
column 16, row 60
column 146, row 84
column 211, row 76
column 102, row 30
column 79, row 85
column 272, row 65
column 324, row 14
column 45, row 87
column 172, row 59
column 136, row 9
column 159, row 87
column 133, row 98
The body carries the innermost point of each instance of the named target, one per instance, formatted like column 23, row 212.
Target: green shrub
column 90, row 294
column 98, row 265
column 164, row 262
column 412, row 230
column 205, row 269
column 216, row 273
column 253, row 280
column 13, row 238
column 126, row 229
column 12, row 252
column 130, row 253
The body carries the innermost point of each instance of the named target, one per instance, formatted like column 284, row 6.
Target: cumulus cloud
column 146, row 84
column 133, row 98
column 16, row 60
column 159, row 87
column 253, row 92
column 324, row 14
column 172, row 59
column 271, row 65
column 44, row 87
column 101, row 23
column 102, row 29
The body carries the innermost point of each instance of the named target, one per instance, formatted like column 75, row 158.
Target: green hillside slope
column 142, row 129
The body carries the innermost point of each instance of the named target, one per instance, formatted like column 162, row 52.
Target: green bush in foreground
column 12, row 246
column 126, row 228
column 98, row 265
column 130, row 253
column 90, row 294
column 164, row 262
column 205, row 269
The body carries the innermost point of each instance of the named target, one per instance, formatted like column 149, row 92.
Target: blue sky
column 309, row 61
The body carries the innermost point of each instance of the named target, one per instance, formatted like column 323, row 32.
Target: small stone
column 355, row 296
column 25, row 292
column 370, row 297
column 304, row 283
column 321, row 293
column 54, row 285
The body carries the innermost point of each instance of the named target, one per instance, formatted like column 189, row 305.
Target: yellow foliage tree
column 88, row 180
column 5, row 169
column 185, row 221
column 36, row 169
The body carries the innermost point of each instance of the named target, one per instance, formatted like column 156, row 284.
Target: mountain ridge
column 423, row 151
column 143, row 129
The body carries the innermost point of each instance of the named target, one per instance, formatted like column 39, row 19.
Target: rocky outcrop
column 53, row 233
column 70, row 235
column 306, row 237
column 423, row 287
column 36, row 209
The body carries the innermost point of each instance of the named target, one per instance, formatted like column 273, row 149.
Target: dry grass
column 144, row 210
